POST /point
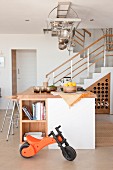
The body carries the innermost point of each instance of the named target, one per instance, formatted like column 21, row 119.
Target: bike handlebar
column 57, row 128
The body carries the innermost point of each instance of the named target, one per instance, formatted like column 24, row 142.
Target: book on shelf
column 27, row 112
column 42, row 111
column 38, row 111
column 34, row 111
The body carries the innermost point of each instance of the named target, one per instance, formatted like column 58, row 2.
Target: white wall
column 48, row 57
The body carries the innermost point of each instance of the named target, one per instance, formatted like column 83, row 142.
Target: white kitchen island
column 77, row 122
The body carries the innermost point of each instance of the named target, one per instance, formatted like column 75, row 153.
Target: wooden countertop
column 29, row 94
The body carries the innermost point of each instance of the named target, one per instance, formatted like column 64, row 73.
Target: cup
column 48, row 89
column 45, row 84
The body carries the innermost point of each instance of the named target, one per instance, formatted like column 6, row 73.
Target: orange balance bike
column 33, row 145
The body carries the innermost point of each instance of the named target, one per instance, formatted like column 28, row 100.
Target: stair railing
column 88, row 62
column 85, row 63
column 53, row 77
column 104, row 63
column 79, row 38
column 91, row 56
column 71, row 69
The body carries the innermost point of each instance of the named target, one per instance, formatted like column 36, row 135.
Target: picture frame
column 1, row 61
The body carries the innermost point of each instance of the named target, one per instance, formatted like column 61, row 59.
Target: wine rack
column 102, row 89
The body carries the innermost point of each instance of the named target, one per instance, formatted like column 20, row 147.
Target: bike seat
column 32, row 140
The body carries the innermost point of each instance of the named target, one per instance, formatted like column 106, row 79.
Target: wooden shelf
column 27, row 125
column 33, row 121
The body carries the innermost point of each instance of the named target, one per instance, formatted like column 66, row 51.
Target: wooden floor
column 99, row 159
column 104, row 130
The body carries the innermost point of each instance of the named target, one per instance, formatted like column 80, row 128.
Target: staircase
column 84, row 70
column 80, row 68
column 104, row 133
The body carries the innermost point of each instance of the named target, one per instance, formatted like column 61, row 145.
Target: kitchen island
column 77, row 122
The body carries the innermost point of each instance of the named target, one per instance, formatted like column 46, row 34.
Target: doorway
column 24, row 70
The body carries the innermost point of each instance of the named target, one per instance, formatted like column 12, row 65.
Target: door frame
column 14, row 74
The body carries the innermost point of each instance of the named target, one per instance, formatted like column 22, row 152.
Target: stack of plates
column 37, row 135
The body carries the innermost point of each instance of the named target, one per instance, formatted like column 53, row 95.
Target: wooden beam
column 89, row 66
column 109, row 55
column 96, row 49
column 91, row 58
column 79, row 33
column 109, row 43
column 87, row 32
column 78, row 42
column 79, row 38
column 69, row 68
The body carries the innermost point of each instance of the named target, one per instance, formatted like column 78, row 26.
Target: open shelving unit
column 27, row 125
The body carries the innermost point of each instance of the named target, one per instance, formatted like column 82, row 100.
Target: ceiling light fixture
column 62, row 26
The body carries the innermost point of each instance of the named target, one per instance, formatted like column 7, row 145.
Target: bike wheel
column 69, row 153
column 25, row 145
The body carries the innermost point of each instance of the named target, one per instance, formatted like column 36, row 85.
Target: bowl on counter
column 69, row 89
column 42, row 89
column 53, row 88
column 48, row 89
column 36, row 89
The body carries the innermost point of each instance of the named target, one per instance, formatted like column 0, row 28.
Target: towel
column 72, row 98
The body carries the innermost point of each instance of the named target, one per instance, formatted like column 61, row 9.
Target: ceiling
column 13, row 14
